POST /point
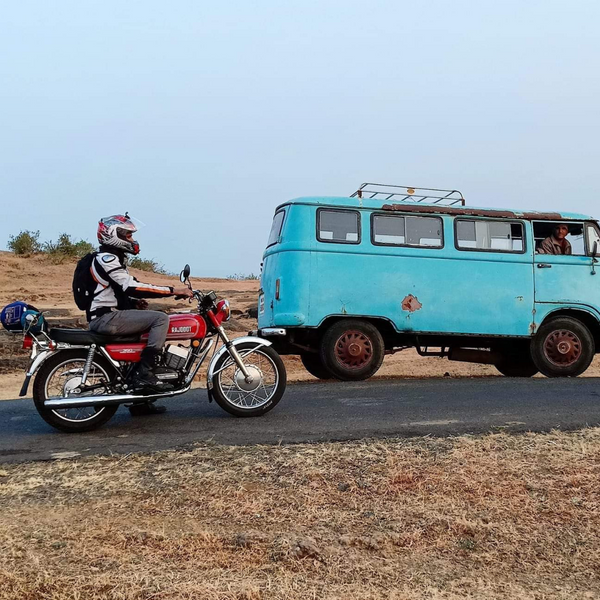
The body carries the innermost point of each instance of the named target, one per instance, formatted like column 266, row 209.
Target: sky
column 199, row 118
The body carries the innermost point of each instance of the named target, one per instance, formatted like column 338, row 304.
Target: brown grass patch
column 472, row 517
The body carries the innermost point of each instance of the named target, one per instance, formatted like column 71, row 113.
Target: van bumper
column 268, row 332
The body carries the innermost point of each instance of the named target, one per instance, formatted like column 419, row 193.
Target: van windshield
column 276, row 228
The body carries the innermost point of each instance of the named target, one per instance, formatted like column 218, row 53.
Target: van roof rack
column 409, row 194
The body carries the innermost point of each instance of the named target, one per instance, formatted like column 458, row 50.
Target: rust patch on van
column 411, row 303
column 473, row 212
column 543, row 216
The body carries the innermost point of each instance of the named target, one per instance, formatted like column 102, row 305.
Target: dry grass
column 491, row 517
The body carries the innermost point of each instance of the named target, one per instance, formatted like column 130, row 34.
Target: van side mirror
column 184, row 275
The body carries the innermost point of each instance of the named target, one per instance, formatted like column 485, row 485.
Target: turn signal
column 27, row 342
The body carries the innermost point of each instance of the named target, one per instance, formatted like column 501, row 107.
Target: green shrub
column 65, row 248
column 242, row 277
column 25, row 243
column 146, row 265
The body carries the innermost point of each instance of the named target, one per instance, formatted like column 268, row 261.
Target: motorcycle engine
column 175, row 357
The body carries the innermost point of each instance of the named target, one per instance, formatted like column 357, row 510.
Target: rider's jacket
column 116, row 289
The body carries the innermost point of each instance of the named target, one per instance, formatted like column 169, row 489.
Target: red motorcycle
column 82, row 377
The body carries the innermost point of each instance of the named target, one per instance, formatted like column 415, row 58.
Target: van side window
column 546, row 242
column 338, row 226
column 388, row 230
column 490, row 236
column 593, row 237
column 276, row 228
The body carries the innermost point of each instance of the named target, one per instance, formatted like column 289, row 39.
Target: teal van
column 347, row 280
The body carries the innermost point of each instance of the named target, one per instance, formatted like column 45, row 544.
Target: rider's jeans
column 130, row 322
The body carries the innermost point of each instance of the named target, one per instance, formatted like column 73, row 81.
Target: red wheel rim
column 353, row 350
column 562, row 348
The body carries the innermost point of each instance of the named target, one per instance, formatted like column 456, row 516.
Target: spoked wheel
column 60, row 377
column 563, row 347
column 352, row 350
column 249, row 399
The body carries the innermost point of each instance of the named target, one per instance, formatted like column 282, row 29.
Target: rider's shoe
column 144, row 380
column 146, row 408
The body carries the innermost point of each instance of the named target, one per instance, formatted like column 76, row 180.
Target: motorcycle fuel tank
column 181, row 327
column 184, row 327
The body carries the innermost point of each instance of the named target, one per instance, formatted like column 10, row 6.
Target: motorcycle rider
column 118, row 304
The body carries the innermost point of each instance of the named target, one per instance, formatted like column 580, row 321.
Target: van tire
column 314, row 365
column 352, row 350
column 518, row 365
column 563, row 347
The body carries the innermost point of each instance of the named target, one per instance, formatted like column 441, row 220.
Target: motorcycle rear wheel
column 238, row 398
column 63, row 370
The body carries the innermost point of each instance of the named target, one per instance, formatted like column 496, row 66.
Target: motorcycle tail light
column 27, row 342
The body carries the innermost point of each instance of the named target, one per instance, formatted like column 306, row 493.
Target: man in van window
column 557, row 243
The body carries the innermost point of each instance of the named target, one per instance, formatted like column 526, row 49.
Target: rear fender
column 37, row 359
column 223, row 350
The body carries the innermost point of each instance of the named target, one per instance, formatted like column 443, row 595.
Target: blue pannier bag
column 13, row 317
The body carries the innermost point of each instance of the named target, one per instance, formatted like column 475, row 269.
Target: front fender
column 223, row 349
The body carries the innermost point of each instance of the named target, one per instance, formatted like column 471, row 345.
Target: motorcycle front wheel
column 238, row 397
column 61, row 374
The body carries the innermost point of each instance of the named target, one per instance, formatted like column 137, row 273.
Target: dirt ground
column 48, row 287
column 492, row 517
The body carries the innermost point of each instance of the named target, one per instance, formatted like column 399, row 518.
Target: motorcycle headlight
column 225, row 309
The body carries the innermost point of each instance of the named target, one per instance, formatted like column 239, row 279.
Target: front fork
column 235, row 355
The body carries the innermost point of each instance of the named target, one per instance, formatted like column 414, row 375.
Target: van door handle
column 544, row 266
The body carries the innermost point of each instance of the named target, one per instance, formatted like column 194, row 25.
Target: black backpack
column 84, row 284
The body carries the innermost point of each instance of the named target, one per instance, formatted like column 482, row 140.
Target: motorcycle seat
column 84, row 337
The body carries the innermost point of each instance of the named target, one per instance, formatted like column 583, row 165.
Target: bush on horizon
column 25, row 243
column 242, row 277
column 65, row 248
column 147, row 265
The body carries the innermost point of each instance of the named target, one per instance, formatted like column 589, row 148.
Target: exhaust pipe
column 107, row 400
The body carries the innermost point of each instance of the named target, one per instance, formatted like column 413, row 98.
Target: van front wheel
column 352, row 350
column 563, row 347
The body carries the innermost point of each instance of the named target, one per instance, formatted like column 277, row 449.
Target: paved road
column 319, row 412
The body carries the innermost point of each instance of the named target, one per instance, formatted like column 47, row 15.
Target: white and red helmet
column 117, row 232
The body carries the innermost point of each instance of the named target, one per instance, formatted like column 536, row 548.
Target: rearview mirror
column 183, row 276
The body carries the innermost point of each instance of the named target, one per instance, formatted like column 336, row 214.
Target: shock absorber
column 88, row 364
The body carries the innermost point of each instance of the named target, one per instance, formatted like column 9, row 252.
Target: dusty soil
column 495, row 517
column 48, row 287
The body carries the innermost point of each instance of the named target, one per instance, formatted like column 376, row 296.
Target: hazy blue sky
column 199, row 118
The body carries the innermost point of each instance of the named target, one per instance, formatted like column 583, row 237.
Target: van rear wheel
column 352, row 350
column 314, row 365
column 517, row 365
column 563, row 347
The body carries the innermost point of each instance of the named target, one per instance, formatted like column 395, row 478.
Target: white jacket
column 117, row 289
